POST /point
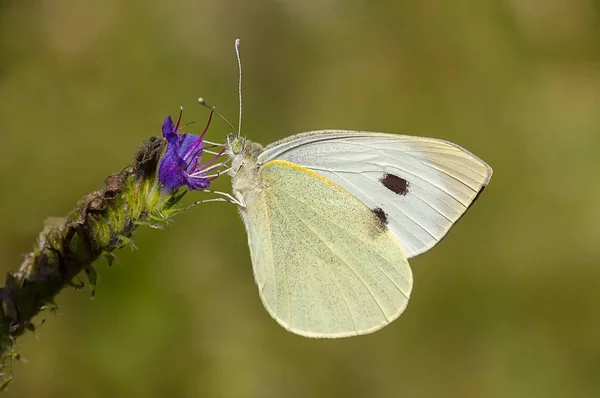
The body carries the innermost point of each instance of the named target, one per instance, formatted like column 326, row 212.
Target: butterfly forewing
column 421, row 186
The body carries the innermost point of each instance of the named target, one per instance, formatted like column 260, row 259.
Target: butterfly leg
column 225, row 194
column 206, row 201
column 214, row 144
column 225, row 198
column 214, row 166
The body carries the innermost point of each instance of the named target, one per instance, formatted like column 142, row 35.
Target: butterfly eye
column 236, row 145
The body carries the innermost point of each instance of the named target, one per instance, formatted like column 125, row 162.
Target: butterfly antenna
column 239, row 60
column 213, row 109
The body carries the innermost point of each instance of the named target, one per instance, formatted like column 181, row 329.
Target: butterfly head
column 235, row 145
column 243, row 154
column 235, row 149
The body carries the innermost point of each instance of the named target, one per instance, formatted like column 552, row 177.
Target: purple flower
column 180, row 164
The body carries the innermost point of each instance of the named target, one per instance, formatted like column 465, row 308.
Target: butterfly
column 333, row 216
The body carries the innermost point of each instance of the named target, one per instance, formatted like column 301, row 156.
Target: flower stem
column 102, row 222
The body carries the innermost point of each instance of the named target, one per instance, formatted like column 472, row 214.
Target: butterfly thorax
column 244, row 167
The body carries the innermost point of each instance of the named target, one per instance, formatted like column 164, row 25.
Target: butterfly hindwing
column 326, row 265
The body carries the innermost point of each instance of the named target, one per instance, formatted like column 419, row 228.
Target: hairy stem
column 103, row 221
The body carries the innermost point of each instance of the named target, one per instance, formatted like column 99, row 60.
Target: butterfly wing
column 325, row 264
column 422, row 185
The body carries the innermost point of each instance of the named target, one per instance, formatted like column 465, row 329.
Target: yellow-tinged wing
column 326, row 265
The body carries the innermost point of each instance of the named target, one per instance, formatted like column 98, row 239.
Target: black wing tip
column 476, row 197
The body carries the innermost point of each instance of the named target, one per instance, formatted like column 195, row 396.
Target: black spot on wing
column 382, row 219
column 477, row 196
column 395, row 184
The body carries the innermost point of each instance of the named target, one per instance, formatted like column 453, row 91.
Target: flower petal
column 168, row 130
column 181, row 162
column 170, row 174
column 190, row 148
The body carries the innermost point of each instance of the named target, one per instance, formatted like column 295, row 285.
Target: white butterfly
column 333, row 215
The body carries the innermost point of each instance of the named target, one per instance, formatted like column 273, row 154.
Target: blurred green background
column 507, row 305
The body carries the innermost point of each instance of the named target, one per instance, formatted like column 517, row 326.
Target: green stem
column 103, row 221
